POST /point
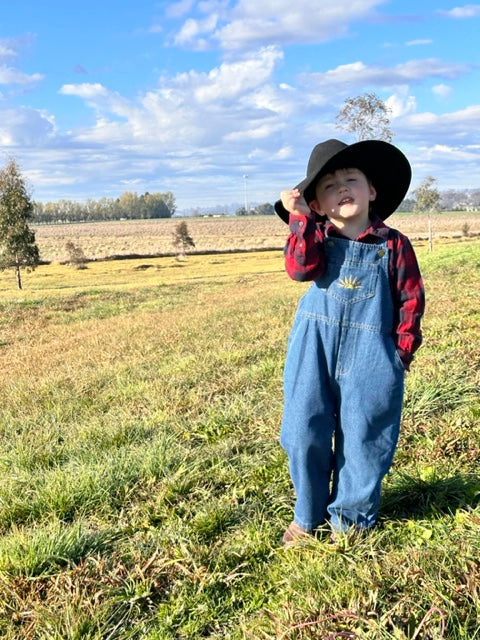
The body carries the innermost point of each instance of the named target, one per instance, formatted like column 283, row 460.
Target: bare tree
column 17, row 241
column 76, row 255
column 367, row 116
column 428, row 199
column 182, row 239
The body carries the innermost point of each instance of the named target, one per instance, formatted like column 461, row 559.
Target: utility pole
column 245, row 193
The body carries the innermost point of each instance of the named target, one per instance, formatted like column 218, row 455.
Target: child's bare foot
column 294, row 533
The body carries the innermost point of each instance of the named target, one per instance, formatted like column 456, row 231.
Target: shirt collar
column 377, row 228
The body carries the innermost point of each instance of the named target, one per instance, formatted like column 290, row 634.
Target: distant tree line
column 129, row 206
column 450, row 200
column 460, row 200
column 265, row 209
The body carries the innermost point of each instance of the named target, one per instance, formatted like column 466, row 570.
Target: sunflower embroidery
column 350, row 282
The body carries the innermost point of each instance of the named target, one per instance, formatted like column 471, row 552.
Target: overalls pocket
column 349, row 282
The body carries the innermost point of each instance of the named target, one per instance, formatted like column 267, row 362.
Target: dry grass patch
column 61, row 281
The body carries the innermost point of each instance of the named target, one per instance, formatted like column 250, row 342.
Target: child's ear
column 314, row 206
column 373, row 193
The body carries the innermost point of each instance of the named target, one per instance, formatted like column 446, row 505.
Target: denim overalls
column 343, row 381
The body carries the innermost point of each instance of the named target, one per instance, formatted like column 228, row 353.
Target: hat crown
column 322, row 153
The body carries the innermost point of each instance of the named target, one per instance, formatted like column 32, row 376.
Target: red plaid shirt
column 305, row 260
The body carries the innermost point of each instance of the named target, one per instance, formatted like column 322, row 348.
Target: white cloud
column 9, row 49
column 12, row 76
column 234, row 102
column 348, row 77
column 285, row 152
column 251, row 23
column 179, row 9
column 448, row 163
column 99, row 97
column 470, row 116
column 442, row 90
column 231, row 80
column 6, row 50
column 401, row 103
column 451, row 128
column 24, row 126
column 263, row 131
column 192, row 29
column 420, row 41
column 467, row 11
column 86, row 90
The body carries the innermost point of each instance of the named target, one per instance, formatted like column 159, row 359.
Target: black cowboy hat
column 385, row 166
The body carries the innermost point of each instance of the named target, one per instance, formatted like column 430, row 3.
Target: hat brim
column 384, row 165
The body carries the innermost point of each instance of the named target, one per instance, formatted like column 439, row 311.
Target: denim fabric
column 343, row 386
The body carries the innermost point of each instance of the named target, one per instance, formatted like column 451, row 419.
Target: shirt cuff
column 406, row 357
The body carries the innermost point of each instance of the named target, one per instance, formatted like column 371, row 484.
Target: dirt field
column 155, row 237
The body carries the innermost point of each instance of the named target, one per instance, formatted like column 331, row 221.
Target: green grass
column 143, row 492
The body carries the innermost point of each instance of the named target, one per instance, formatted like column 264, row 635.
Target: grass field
column 143, row 491
column 154, row 237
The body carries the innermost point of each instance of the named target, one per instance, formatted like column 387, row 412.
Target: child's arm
column 304, row 253
column 410, row 300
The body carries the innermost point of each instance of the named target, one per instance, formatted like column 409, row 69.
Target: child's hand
column 294, row 202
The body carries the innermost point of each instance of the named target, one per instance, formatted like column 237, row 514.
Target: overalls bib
column 343, row 386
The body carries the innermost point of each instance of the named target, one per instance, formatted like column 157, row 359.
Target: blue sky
column 99, row 98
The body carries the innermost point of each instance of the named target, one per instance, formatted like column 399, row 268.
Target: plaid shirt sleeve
column 409, row 296
column 304, row 252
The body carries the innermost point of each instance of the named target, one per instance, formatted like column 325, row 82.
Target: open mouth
column 345, row 201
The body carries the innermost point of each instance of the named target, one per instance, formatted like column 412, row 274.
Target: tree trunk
column 19, row 276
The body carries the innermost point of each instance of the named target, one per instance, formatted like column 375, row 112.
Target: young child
column 354, row 335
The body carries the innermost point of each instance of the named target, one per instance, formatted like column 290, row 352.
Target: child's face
column 344, row 196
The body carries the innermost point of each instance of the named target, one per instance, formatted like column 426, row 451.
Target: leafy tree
column 156, row 206
column 428, row 200
column 367, row 116
column 182, row 239
column 17, row 241
column 169, row 201
column 427, row 196
column 127, row 205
